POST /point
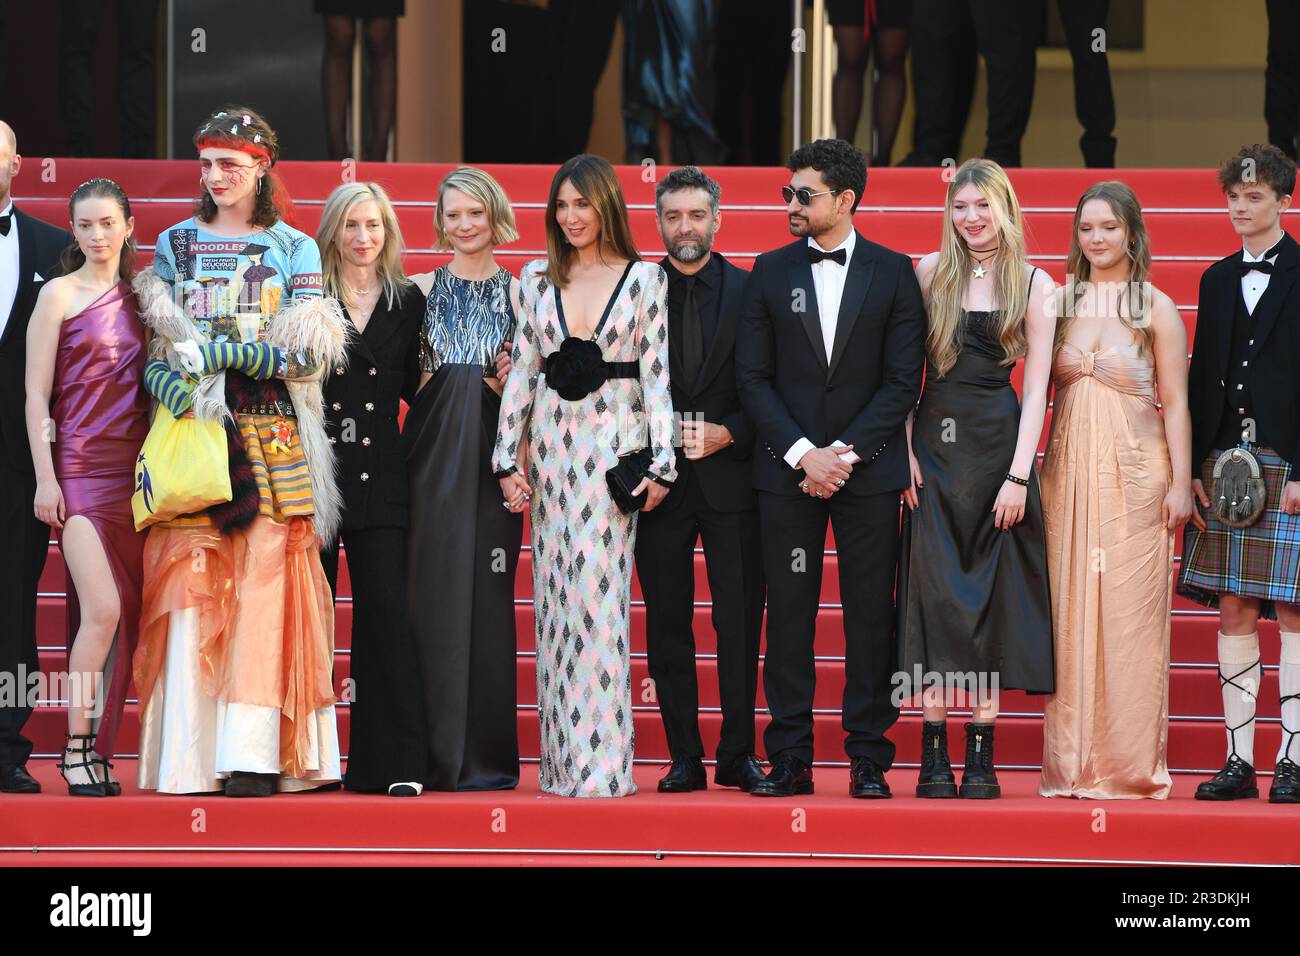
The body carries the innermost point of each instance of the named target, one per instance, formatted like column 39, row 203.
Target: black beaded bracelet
column 1024, row 482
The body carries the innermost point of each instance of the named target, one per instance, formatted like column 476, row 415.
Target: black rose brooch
column 576, row 369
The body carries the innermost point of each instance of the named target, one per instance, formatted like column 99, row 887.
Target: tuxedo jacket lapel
column 26, row 267
column 799, row 272
column 1279, row 284
column 855, row 290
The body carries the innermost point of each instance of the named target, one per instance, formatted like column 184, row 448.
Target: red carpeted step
column 406, row 182
column 1193, row 691
column 1195, row 638
column 717, row 825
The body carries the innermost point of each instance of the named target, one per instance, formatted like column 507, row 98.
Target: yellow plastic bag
column 183, row 468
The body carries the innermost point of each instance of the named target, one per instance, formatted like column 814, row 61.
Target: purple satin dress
column 101, row 416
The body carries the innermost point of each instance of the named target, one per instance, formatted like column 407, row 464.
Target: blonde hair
column 597, row 182
column 1124, row 205
column 951, row 274
column 342, row 201
column 480, row 185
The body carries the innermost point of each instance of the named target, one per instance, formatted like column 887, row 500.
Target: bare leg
column 97, row 597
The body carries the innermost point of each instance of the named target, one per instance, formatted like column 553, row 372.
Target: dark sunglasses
column 803, row 195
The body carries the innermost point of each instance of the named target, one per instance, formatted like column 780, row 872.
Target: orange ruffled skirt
column 234, row 663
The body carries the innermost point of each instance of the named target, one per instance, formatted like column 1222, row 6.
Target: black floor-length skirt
column 972, row 598
column 463, row 553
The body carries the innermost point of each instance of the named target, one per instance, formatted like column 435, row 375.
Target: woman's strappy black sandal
column 96, row 789
column 112, row 786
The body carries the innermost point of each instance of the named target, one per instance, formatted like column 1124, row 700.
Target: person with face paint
column 1117, row 484
column 87, row 415
column 974, row 612
column 237, row 634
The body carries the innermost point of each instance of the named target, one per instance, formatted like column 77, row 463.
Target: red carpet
column 714, row 826
column 902, row 209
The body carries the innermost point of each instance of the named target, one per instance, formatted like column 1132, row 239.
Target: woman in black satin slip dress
column 973, row 582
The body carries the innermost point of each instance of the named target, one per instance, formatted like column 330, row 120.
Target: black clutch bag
column 625, row 476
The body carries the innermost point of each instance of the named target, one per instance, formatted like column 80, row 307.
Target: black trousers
column 867, row 543
column 22, row 558
column 1094, row 100
column 1282, row 76
column 387, row 737
column 137, row 30
column 665, row 564
column 943, row 74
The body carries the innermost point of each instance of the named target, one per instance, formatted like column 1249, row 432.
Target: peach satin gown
column 1111, row 563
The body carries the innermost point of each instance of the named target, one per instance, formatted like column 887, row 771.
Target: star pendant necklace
column 978, row 271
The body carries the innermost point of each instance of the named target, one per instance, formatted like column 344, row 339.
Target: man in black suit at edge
column 712, row 499
column 29, row 255
column 829, row 359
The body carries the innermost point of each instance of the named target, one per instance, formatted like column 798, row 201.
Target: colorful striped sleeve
column 254, row 360
column 170, row 388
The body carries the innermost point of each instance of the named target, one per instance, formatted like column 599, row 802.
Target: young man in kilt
column 1244, row 392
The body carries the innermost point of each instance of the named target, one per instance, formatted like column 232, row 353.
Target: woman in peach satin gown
column 1116, row 484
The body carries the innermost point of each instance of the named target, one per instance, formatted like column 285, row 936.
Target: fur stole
column 315, row 326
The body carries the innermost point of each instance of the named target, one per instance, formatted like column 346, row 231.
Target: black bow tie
column 1263, row 265
column 815, row 255
column 5, row 220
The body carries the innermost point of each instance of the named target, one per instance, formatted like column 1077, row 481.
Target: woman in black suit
column 361, row 249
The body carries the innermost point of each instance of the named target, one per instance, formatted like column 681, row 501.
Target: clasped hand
column 825, row 472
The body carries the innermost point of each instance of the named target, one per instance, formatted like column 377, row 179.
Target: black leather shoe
column 686, row 775
column 979, row 781
column 243, row 784
column 1286, row 783
column 743, row 772
column 1234, row 782
column 14, row 778
column 867, row 780
column 936, row 780
column 789, row 776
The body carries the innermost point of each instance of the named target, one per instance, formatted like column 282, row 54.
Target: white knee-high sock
column 1239, row 674
column 1288, row 681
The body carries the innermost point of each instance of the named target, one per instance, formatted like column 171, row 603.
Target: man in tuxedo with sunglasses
column 829, row 359
column 29, row 254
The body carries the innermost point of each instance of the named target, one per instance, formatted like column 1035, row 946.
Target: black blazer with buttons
column 1274, row 370
column 725, row 476
column 860, row 394
column 361, row 404
column 39, row 248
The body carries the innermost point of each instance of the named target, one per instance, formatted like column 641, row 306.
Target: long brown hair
column 72, row 257
column 244, row 129
column 596, row 180
column 1134, row 310
column 943, row 340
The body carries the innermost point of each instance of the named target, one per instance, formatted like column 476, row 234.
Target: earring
column 259, row 185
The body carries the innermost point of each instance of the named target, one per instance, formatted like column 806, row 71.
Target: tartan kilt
column 1261, row 561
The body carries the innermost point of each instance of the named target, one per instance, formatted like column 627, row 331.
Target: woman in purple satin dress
column 87, row 416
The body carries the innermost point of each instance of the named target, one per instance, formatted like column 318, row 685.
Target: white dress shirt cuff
column 850, row 458
column 797, row 451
